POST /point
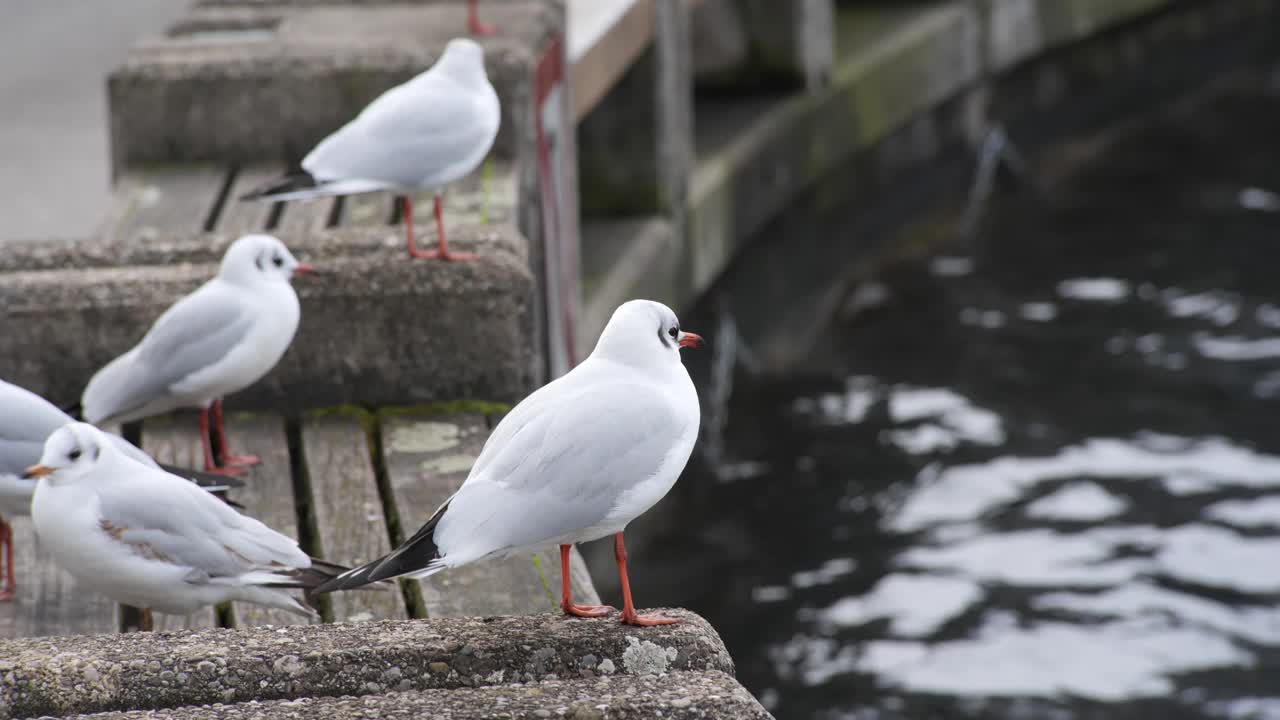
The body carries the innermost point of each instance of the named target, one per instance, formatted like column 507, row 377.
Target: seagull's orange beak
column 306, row 269
column 688, row 339
column 36, row 471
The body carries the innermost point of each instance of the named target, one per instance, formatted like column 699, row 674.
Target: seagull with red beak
column 575, row 461
column 216, row 341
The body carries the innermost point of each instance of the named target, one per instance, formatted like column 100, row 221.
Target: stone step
column 152, row 671
column 263, row 82
column 378, row 329
column 676, row 696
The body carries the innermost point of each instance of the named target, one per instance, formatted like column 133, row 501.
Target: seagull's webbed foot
column 240, row 461
column 650, row 620
column 587, row 611
column 445, row 255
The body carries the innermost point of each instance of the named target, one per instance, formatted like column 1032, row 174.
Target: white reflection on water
column 966, row 492
column 1112, row 612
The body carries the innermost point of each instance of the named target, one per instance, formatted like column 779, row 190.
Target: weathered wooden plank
column 348, row 511
column 239, row 217
column 427, row 459
column 176, row 441
column 367, row 209
column 47, row 601
column 267, row 495
column 301, row 219
column 164, row 201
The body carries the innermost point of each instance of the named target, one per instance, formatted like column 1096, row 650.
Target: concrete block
column 635, row 147
column 379, row 329
column 677, row 696
column 152, row 671
column 749, row 43
column 267, row 81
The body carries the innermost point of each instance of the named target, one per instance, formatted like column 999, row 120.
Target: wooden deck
column 348, row 484
column 190, row 199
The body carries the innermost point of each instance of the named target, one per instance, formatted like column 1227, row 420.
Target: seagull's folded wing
column 569, row 462
column 193, row 335
column 405, row 136
column 181, row 524
column 26, row 420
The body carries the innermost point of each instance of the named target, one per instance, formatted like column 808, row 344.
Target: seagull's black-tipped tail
column 418, row 553
column 293, row 182
column 216, row 485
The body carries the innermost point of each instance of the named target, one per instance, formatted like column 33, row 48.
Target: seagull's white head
column 71, row 453
column 255, row 259
column 463, row 59
column 643, row 332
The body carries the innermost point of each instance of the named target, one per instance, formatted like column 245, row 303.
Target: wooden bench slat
column 427, row 460
column 301, row 219
column 47, row 601
column 366, row 210
column 240, row 217
column 164, row 202
column 176, row 441
column 348, row 511
column 267, row 495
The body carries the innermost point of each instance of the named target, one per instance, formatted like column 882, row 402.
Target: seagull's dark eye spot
column 277, row 261
column 75, row 454
column 673, row 332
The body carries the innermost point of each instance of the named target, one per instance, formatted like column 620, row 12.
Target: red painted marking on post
column 548, row 74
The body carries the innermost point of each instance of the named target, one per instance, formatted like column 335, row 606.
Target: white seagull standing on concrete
column 216, row 341
column 575, row 461
column 431, row 131
column 144, row 537
column 26, row 421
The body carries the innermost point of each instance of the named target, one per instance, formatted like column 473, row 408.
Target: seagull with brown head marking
column 26, row 421
column 575, row 461
column 147, row 538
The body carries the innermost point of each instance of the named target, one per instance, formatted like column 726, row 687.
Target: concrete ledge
column 251, row 84
column 677, row 695
column 379, row 329
column 150, row 671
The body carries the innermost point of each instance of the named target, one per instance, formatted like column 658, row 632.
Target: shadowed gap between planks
column 350, row 521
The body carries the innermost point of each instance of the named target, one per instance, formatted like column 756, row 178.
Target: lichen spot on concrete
column 289, row 665
column 424, row 437
column 448, row 464
column 647, row 657
column 606, row 667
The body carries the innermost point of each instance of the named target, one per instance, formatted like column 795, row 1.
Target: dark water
column 1036, row 477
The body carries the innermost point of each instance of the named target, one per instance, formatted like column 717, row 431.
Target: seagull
column 431, row 131
column 218, row 340
column 26, row 421
column 147, row 538
column 575, row 461
column 473, row 21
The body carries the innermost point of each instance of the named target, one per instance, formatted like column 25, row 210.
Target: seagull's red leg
column 229, row 460
column 442, row 250
column 566, row 595
column 6, row 542
column 406, row 210
column 629, row 614
column 473, row 21
column 209, row 465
